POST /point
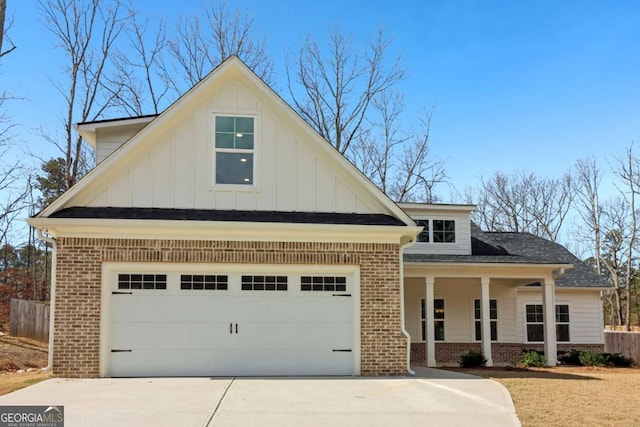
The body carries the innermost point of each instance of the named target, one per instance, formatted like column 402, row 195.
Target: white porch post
column 430, row 344
column 485, row 315
column 549, row 309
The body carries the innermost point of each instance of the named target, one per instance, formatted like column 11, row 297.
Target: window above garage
column 234, row 150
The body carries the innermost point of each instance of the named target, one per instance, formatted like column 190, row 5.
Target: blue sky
column 515, row 84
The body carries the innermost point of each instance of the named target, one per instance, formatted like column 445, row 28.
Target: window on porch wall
column 438, row 319
column 535, row 323
column 493, row 316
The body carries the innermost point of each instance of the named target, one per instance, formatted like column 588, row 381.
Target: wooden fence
column 627, row 343
column 29, row 319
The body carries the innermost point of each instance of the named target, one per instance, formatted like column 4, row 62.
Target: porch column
column 485, row 315
column 549, row 310
column 430, row 343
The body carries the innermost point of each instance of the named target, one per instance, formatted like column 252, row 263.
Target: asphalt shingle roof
column 228, row 215
column 519, row 248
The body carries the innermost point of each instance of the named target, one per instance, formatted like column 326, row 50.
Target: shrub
column 590, row 358
column 572, row 357
column 619, row 360
column 472, row 359
column 532, row 359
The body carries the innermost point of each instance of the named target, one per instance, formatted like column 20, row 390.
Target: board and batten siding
column 173, row 167
column 585, row 313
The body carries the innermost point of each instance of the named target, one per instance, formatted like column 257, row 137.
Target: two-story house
column 226, row 237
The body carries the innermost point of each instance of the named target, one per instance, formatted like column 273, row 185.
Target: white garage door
column 219, row 324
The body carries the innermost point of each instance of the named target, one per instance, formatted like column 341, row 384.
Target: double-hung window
column 234, row 149
column 493, row 318
column 535, row 323
column 438, row 319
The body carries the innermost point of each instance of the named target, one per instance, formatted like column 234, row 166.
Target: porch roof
column 518, row 248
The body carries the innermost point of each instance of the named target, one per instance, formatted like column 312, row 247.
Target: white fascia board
column 478, row 269
column 438, row 207
column 222, row 230
column 89, row 131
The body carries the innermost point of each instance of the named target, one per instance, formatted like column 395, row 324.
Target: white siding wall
column 173, row 167
column 584, row 310
column 109, row 141
column 585, row 313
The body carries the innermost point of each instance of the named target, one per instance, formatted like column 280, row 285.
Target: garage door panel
column 294, row 309
column 164, row 335
column 167, row 308
column 293, row 335
column 229, row 362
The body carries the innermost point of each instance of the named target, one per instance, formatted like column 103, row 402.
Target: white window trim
column 525, row 323
column 474, row 320
column 439, row 244
column 255, row 185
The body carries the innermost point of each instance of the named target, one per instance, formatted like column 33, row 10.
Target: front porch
column 500, row 310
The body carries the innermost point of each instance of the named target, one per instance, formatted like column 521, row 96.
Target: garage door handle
column 346, row 350
column 230, row 328
column 236, row 328
column 120, row 351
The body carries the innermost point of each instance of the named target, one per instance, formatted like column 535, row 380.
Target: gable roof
column 101, row 172
column 519, row 248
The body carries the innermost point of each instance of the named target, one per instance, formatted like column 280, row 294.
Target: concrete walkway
column 433, row 397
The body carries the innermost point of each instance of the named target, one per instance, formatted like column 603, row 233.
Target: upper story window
column 234, row 150
column 437, row 230
column 424, row 234
column 444, row 231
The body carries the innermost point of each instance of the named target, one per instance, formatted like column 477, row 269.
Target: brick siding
column 78, row 290
column 448, row 354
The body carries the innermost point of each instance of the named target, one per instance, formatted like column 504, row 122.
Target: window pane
column 562, row 313
column 438, row 329
column 438, row 309
column 224, row 140
column 225, row 124
column 244, row 141
column 562, row 332
column 422, row 311
column 478, row 331
column 424, row 234
column 535, row 333
column 494, row 331
column 244, row 125
column 234, row 168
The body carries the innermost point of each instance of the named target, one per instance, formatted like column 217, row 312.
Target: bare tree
column 334, row 93
column 86, row 31
column 524, row 202
column 587, row 190
column 201, row 45
column 137, row 81
column 3, row 11
column 396, row 159
column 628, row 171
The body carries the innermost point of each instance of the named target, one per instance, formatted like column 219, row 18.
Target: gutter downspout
column 52, row 299
column 404, row 331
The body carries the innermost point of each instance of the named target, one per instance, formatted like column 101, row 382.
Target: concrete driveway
column 433, row 397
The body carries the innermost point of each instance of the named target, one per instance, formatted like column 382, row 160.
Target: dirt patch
column 21, row 353
column 571, row 396
column 21, row 363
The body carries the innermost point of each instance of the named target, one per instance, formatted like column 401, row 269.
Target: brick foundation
column 78, row 290
column 448, row 354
